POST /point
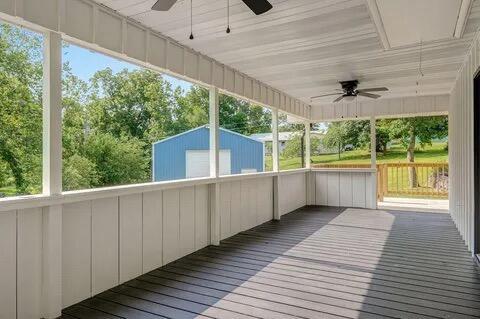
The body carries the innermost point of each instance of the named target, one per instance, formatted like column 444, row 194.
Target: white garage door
column 197, row 162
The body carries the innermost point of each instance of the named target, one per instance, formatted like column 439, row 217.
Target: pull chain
column 191, row 20
column 228, row 16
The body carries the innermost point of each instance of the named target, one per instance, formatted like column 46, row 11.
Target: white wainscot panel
column 76, row 252
column 130, row 236
column 8, row 278
column 225, row 211
column 235, row 207
column 333, row 189
column 29, row 263
column 171, row 225
column 187, row 220
column 321, row 188
column 346, row 189
column 152, row 230
column 264, row 200
column 292, row 192
column 202, row 217
column 359, row 190
column 104, row 244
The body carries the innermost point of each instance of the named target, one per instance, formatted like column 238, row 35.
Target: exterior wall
column 169, row 162
column 461, row 146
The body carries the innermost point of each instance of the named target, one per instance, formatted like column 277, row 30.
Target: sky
column 85, row 63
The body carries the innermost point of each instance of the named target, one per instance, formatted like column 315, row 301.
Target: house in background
column 186, row 155
column 284, row 137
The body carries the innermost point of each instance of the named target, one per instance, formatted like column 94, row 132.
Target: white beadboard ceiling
column 303, row 47
column 409, row 22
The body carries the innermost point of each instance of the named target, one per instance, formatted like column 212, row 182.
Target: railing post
column 52, row 176
column 385, row 179
column 214, row 189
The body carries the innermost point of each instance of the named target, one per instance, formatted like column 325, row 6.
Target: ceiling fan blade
column 381, row 89
column 315, row 97
column 338, row 99
column 258, row 6
column 163, row 5
column 370, row 95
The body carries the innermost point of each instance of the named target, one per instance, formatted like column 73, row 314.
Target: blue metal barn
column 186, row 155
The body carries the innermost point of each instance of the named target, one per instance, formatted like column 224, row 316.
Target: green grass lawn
column 435, row 153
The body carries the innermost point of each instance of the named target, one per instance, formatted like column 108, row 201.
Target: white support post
column 214, row 189
column 307, row 145
column 373, row 142
column 275, row 165
column 373, row 158
column 275, row 143
column 214, row 132
column 52, row 114
column 52, row 176
column 309, row 177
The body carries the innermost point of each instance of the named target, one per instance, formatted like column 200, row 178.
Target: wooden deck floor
column 317, row 262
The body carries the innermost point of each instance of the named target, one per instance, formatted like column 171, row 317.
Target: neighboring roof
column 204, row 126
column 282, row 136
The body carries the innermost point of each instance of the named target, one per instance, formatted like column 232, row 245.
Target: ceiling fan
column 257, row 6
column 349, row 91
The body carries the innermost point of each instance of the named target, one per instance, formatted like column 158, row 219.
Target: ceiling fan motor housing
column 349, row 87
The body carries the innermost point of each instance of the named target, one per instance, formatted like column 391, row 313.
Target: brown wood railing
column 428, row 180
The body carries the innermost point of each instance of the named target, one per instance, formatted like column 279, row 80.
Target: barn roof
column 207, row 126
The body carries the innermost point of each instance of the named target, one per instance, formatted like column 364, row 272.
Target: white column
column 214, row 189
column 309, row 176
column 275, row 165
column 373, row 142
column 214, row 132
column 307, row 145
column 52, row 176
column 275, row 146
column 373, row 157
column 52, row 114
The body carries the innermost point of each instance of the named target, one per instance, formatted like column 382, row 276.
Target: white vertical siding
column 292, row 192
column 461, row 146
column 8, row 255
column 347, row 189
column 29, row 259
column 245, row 204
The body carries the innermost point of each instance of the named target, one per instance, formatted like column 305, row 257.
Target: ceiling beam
column 377, row 20
column 463, row 14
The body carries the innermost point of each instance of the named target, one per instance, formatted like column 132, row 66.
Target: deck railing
column 412, row 179
column 428, row 180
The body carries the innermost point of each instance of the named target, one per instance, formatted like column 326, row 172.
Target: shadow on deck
column 317, row 262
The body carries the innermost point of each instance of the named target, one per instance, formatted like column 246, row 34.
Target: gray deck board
column 317, row 262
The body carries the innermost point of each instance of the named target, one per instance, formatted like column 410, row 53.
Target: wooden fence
column 428, row 180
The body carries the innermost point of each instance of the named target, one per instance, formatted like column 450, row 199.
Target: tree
column 20, row 107
column 117, row 160
column 354, row 133
column 417, row 129
column 79, row 173
column 335, row 137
